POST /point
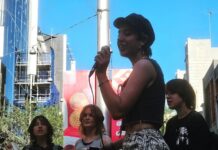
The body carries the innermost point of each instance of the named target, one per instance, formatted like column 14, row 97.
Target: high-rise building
column 199, row 56
column 210, row 85
column 15, row 21
column 1, row 53
column 33, row 62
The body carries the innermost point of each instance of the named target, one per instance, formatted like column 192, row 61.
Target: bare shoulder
column 144, row 67
column 144, row 63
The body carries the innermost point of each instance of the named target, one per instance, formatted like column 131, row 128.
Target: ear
column 144, row 40
column 141, row 43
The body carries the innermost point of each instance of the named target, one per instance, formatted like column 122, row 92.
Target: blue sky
column 173, row 21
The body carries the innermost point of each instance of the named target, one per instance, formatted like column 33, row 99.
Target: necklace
column 86, row 143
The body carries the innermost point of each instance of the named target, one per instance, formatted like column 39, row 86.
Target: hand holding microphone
column 102, row 60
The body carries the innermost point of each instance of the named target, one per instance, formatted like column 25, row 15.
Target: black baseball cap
column 139, row 24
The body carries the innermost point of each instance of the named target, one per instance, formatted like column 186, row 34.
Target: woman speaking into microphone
column 141, row 100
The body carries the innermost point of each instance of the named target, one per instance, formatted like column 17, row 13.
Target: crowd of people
column 140, row 102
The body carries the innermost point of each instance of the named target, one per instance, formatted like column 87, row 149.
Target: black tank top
column 149, row 107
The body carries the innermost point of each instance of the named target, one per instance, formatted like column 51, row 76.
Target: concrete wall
column 199, row 56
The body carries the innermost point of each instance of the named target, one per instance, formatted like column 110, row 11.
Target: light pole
column 32, row 73
column 103, row 40
column 32, row 47
column 209, row 21
column 30, row 99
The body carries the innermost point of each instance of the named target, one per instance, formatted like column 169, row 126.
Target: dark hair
column 97, row 115
column 142, row 28
column 184, row 90
column 45, row 121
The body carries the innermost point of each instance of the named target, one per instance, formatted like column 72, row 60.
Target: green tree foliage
column 168, row 113
column 15, row 121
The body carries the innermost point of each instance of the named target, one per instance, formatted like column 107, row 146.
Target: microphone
column 92, row 70
column 94, row 66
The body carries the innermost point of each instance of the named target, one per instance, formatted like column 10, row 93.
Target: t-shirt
column 188, row 133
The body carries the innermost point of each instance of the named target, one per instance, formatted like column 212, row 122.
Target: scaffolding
column 41, row 88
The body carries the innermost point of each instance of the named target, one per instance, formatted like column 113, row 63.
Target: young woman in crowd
column 92, row 129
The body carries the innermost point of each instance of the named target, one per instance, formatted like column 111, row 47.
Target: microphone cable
column 90, row 86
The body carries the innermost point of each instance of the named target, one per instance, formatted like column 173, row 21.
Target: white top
column 97, row 143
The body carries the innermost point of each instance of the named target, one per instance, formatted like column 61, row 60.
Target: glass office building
column 15, row 42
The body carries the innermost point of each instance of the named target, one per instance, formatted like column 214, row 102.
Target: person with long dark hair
column 41, row 132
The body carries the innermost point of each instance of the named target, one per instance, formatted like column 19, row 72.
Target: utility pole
column 32, row 48
column 209, row 21
column 103, row 39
